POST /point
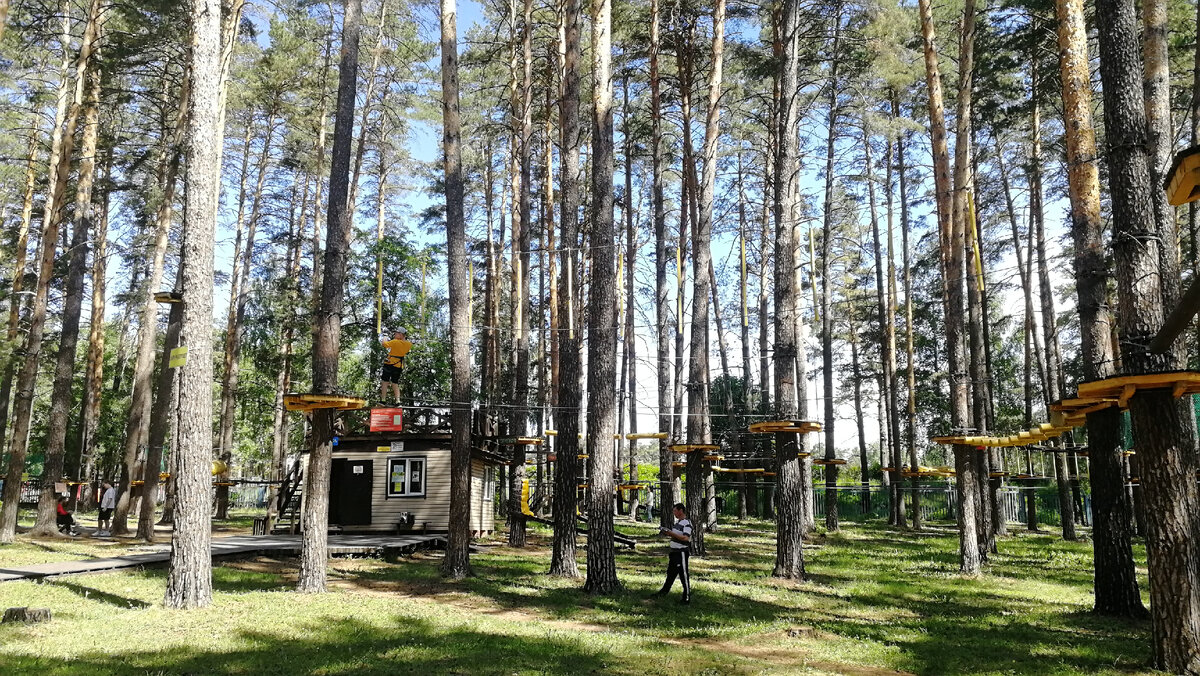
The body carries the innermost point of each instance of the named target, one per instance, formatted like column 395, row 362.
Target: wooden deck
column 227, row 546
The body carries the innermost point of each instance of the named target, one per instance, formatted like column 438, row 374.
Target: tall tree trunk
column 1161, row 425
column 863, row 460
column 952, row 273
column 789, row 524
column 886, row 309
column 137, row 425
column 602, row 318
column 189, row 577
column 314, row 554
column 570, row 392
column 747, row 372
column 631, row 253
column 61, row 401
column 20, row 254
column 160, row 421
column 279, row 446
column 60, row 155
column 523, row 132
column 93, row 395
column 1031, row 345
column 236, row 315
column 1053, row 379
column 831, row 470
column 699, row 424
column 964, row 226
column 458, row 544
column 1116, row 586
column 910, row 410
column 662, row 308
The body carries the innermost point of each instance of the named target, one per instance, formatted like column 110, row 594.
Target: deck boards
column 226, row 546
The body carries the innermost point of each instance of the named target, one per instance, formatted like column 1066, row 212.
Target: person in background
column 66, row 522
column 681, row 546
column 108, row 502
column 393, row 364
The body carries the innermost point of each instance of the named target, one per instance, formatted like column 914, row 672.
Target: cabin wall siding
column 431, row 511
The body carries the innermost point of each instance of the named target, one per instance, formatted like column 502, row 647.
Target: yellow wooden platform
column 784, row 426
column 646, row 435
column 1183, row 180
column 309, row 401
column 824, row 461
column 1121, row 388
column 690, row 448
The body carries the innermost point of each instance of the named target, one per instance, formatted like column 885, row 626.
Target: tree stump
column 28, row 615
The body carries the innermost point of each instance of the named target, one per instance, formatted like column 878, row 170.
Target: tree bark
column 886, row 316
column 1116, row 586
column 1162, row 430
column 952, row 274
column 457, row 563
column 189, row 576
column 570, row 393
column 831, row 470
column 630, row 331
column 666, row 484
column 160, row 421
column 699, row 424
column 789, row 524
column 910, row 411
column 602, row 317
column 523, row 132
column 314, row 554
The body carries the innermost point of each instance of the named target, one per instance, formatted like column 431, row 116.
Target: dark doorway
column 350, row 492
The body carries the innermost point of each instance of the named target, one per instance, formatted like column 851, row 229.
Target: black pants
column 677, row 566
column 65, row 522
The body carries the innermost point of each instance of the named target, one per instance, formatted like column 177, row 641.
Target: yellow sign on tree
column 178, row 357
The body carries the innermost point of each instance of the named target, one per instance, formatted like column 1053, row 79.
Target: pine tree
column 1161, row 424
column 189, row 575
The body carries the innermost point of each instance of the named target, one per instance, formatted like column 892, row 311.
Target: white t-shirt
column 109, row 501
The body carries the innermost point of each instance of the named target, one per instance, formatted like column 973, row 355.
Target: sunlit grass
column 878, row 599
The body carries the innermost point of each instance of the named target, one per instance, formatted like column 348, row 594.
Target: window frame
column 408, row 461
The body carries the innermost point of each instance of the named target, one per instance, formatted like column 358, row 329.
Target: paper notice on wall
column 178, row 357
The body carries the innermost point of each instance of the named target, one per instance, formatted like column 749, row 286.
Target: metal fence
column 938, row 502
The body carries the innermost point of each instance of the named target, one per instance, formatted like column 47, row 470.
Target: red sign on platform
column 387, row 419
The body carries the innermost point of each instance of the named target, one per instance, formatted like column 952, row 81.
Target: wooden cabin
column 400, row 482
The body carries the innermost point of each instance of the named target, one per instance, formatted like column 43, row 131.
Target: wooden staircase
column 291, row 495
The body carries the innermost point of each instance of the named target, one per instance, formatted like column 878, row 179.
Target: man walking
column 681, row 546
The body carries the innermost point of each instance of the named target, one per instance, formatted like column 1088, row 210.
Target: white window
column 406, row 477
column 489, row 483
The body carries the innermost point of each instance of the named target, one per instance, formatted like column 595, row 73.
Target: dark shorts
column 106, row 513
column 391, row 374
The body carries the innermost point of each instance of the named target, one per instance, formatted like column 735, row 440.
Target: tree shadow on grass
column 96, row 594
column 340, row 646
column 983, row 632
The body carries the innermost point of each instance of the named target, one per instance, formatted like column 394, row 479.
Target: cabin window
column 489, row 483
column 406, row 477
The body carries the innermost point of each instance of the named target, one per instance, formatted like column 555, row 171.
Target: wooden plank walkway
column 226, row 546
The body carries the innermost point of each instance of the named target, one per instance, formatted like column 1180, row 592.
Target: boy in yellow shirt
column 393, row 363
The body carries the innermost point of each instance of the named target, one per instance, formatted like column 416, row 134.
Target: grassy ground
column 878, row 601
